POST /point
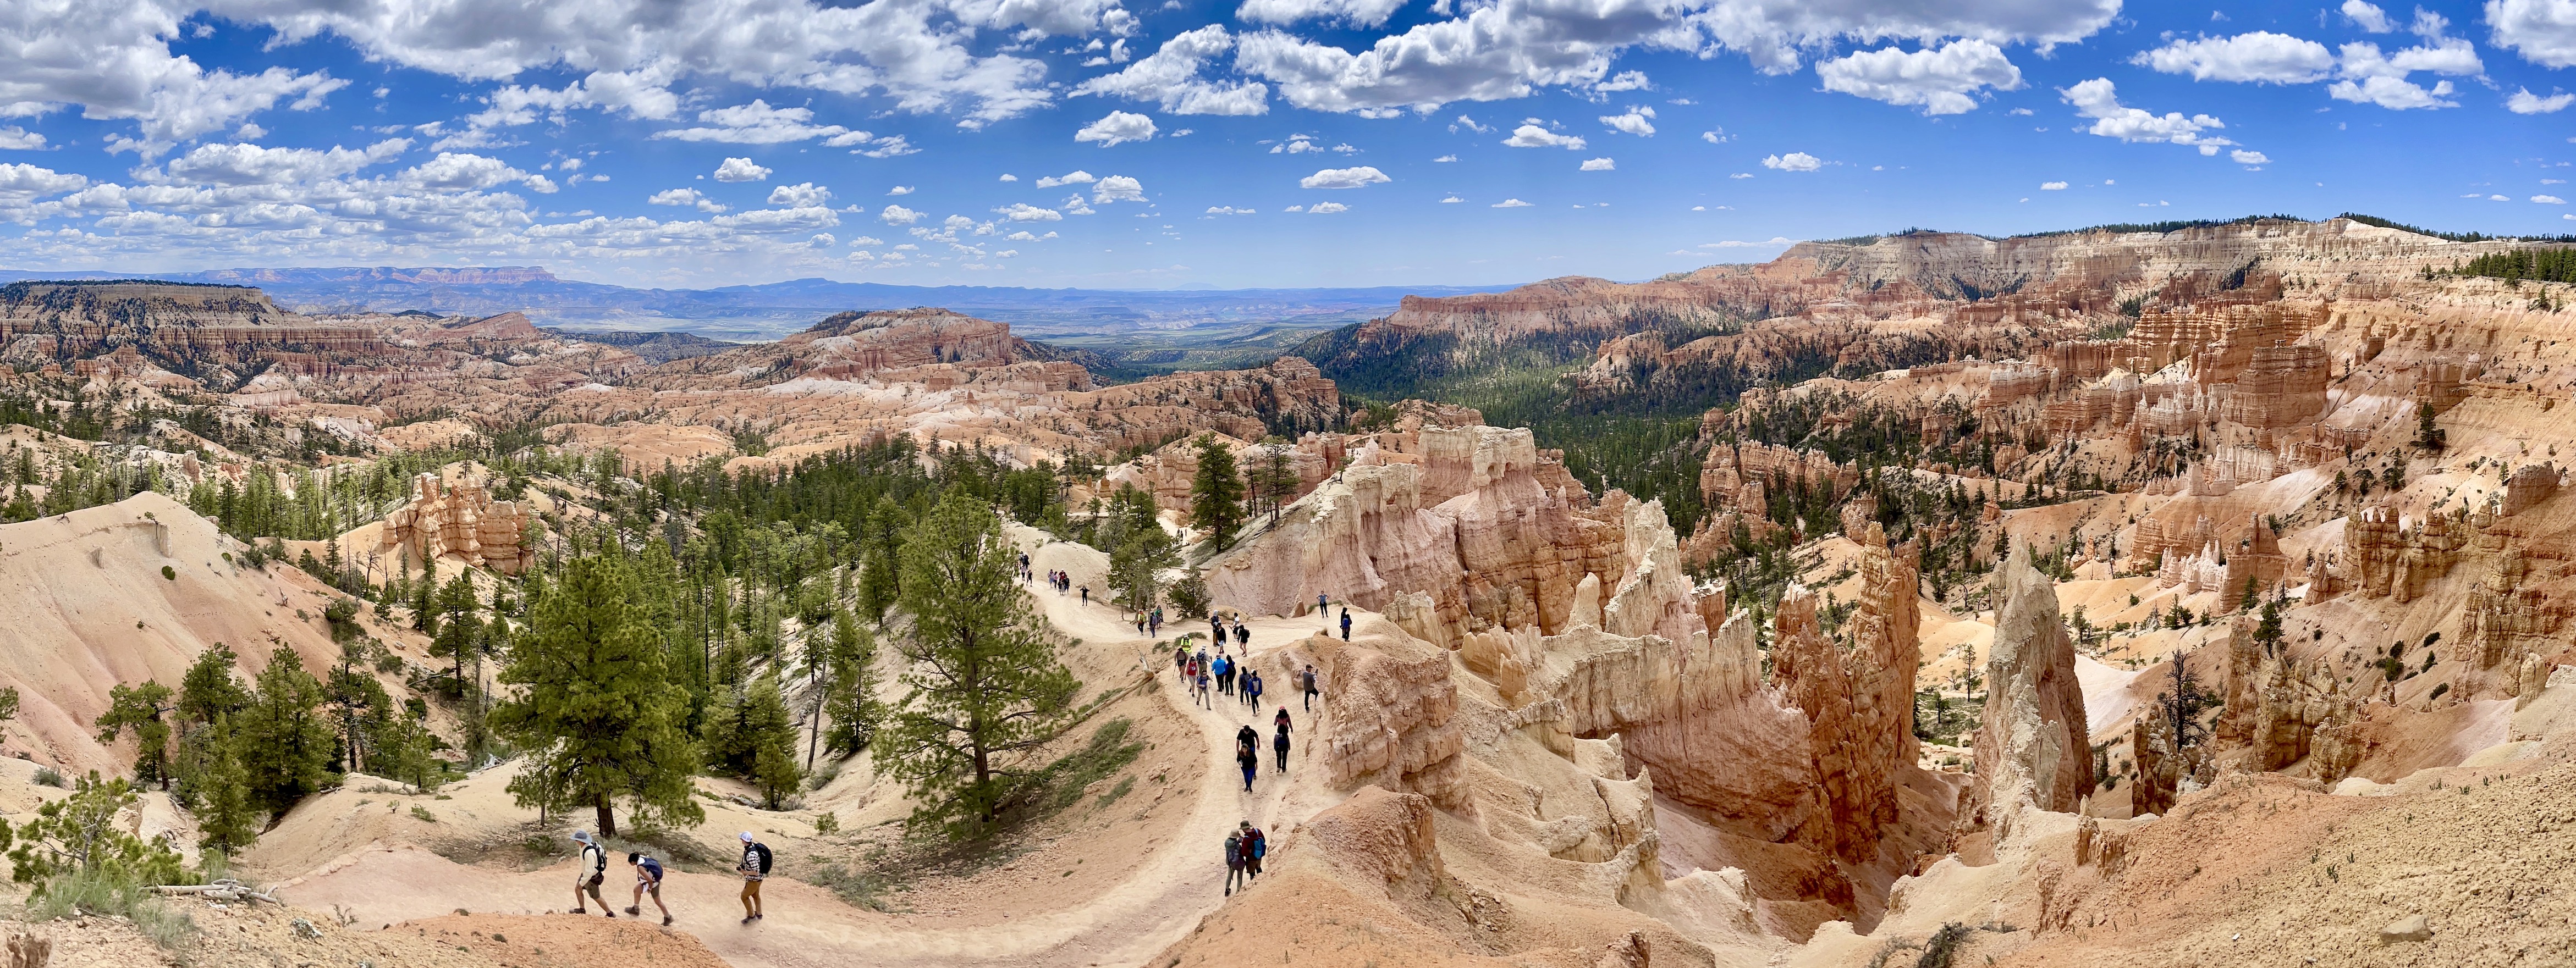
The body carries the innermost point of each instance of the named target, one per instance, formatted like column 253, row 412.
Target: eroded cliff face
column 2031, row 749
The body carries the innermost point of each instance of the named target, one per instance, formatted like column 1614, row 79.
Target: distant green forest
column 2537, row 265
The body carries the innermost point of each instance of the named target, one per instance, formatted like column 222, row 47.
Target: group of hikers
column 593, row 870
column 1244, row 849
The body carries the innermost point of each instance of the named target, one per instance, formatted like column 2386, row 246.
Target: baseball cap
column 746, row 836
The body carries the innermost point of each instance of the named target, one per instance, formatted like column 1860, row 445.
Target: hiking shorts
column 651, row 887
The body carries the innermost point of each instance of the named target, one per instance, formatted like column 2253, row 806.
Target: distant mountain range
column 775, row 309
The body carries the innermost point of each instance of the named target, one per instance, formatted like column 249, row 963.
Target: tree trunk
column 814, row 741
column 607, row 817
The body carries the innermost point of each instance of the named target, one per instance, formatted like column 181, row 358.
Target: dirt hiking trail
column 1161, row 900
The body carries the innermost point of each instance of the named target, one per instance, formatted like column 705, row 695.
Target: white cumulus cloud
column 2525, row 102
column 2368, row 16
column 1075, row 177
column 686, row 197
column 1511, row 203
column 2099, row 100
column 1354, row 177
column 1943, row 80
column 1326, row 208
column 1793, row 161
column 2548, row 200
column 1170, row 78
column 1118, row 188
column 1118, row 127
column 1357, row 13
column 740, row 170
column 1534, row 136
column 2244, row 157
column 2261, row 57
column 1638, row 121
column 1025, row 212
column 898, row 215
column 800, row 195
column 2542, row 31
column 1599, row 164
column 2057, row 186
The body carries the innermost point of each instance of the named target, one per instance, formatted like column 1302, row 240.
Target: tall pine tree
column 139, row 709
column 1216, row 493
column 984, row 686
column 595, row 709
column 849, row 693
column 282, row 738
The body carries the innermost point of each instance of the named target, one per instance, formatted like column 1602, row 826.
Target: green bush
column 78, row 834
column 169, row 573
column 48, row 776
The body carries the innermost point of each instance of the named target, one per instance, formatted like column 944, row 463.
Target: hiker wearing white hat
column 754, row 866
column 587, row 874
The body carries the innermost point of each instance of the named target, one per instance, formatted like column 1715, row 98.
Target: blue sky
column 1099, row 144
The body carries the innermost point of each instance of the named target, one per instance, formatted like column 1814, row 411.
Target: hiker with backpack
column 1201, row 693
column 1346, row 623
column 1243, row 636
column 1181, row 662
column 1256, row 846
column 1279, row 743
column 588, row 872
column 1252, row 689
column 1308, row 678
column 1235, row 862
column 1224, row 672
column 648, row 880
column 754, row 867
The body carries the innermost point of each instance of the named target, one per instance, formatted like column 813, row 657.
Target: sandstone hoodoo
column 2031, row 748
column 2194, row 595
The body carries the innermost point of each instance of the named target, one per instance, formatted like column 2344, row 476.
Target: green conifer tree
column 139, row 709
column 849, row 696
column 282, row 737
column 226, row 819
column 984, row 685
column 1216, row 493
column 595, row 709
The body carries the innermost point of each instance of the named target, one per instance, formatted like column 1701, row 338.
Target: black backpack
column 760, row 858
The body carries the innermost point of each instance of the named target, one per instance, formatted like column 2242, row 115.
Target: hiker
column 1224, row 672
column 1309, row 677
column 754, row 867
column 1181, row 662
column 1246, row 756
column 1158, row 620
column 1346, row 623
column 1252, row 691
column 1216, row 627
column 1279, row 743
column 1234, row 861
column 588, row 873
column 1201, row 693
column 1256, row 845
column 1140, row 623
column 1242, row 636
column 1320, row 602
column 648, row 880
column 1024, row 566
column 1086, row 594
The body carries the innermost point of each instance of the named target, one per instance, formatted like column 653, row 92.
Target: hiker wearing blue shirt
column 648, row 880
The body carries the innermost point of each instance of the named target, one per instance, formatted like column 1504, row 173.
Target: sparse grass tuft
column 76, row 894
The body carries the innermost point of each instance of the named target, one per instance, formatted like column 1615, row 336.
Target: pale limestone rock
column 2031, row 751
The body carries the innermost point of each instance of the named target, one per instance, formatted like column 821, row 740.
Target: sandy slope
column 88, row 609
